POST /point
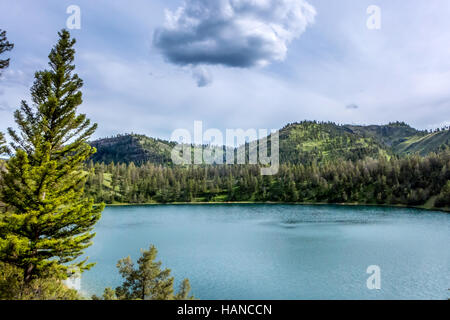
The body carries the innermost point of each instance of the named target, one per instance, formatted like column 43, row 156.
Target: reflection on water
column 281, row 251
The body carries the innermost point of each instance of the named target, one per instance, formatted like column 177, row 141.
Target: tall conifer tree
column 49, row 222
column 2, row 144
column 5, row 45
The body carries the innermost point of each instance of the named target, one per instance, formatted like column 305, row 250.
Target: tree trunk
column 28, row 273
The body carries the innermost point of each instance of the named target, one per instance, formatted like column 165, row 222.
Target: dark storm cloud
column 202, row 76
column 233, row 33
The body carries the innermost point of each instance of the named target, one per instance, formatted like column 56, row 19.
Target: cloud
column 352, row 106
column 202, row 76
column 389, row 73
column 15, row 77
column 232, row 33
column 4, row 106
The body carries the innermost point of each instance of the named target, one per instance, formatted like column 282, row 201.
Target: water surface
column 280, row 251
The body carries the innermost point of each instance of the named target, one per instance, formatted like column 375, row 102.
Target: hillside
column 424, row 144
column 307, row 141
column 389, row 135
column 300, row 143
column 132, row 148
column 402, row 139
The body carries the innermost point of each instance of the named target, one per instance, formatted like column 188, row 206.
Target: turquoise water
column 281, row 251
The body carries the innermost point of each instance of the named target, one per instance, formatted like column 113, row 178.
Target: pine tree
column 50, row 221
column 3, row 148
column 147, row 281
column 183, row 293
column 5, row 45
column 443, row 200
column 108, row 294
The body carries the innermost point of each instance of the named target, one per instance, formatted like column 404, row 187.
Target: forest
column 411, row 180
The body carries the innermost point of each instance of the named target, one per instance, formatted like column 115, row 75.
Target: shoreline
column 445, row 210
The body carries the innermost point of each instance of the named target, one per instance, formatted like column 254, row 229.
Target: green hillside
column 300, row 143
column 132, row 148
column 389, row 135
column 423, row 145
column 402, row 139
column 307, row 141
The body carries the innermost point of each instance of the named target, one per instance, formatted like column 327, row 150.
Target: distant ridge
column 402, row 139
column 301, row 142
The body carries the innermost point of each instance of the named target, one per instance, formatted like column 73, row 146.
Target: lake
column 265, row 251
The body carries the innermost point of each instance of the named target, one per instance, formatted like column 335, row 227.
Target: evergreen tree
column 147, row 281
column 183, row 293
column 108, row 294
column 3, row 148
column 443, row 200
column 50, row 221
column 5, row 45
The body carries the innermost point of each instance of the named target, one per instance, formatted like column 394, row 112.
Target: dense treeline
column 412, row 180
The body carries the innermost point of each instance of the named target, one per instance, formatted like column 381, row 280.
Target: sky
column 151, row 67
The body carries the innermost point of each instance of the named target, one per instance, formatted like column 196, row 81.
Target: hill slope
column 308, row 141
column 132, row 148
column 425, row 144
column 402, row 139
column 303, row 142
column 389, row 135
